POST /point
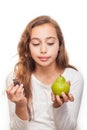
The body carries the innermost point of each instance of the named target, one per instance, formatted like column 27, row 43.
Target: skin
column 44, row 47
column 16, row 95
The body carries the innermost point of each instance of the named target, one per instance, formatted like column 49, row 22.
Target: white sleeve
column 15, row 122
column 66, row 116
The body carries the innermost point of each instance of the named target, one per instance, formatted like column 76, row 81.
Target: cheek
column 55, row 50
column 33, row 52
column 32, row 49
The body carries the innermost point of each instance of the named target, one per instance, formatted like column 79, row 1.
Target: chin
column 44, row 64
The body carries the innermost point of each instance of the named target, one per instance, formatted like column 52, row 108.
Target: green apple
column 60, row 85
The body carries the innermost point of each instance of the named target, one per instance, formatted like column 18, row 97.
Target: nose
column 43, row 48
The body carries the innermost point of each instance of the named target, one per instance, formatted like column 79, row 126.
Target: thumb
column 69, row 83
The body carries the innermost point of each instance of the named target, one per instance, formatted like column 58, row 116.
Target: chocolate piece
column 16, row 82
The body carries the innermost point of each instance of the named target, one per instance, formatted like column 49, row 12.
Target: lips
column 43, row 59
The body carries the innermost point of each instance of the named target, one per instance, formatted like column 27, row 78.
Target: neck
column 47, row 74
column 46, row 70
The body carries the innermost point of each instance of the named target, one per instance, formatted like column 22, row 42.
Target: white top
column 45, row 116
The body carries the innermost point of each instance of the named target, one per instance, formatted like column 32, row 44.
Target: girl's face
column 44, row 45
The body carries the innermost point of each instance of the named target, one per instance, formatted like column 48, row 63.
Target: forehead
column 43, row 31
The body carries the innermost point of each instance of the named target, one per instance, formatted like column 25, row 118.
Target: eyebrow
column 51, row 37
column 35, row 38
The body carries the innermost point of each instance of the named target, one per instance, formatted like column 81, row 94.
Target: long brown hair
column 26, row 65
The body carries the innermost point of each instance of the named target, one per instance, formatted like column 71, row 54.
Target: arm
column 17, row 106
column 16, row 123
column 67, row 114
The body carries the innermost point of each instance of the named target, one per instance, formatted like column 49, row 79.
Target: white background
column 15, row 15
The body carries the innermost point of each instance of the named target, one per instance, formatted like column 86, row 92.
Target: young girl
column 42, row 58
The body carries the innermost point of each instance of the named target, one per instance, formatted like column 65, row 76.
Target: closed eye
column 34, row 44
column 50, row 43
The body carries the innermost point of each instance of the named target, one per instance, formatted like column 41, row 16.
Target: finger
column 65, row 98
column 14, row 89
column 71, row 98
column 69, row 82
column 20, row 94
column 59, row 100
column 12, row 92
column 20, row 89
column 9, row 88
column 52, row 97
